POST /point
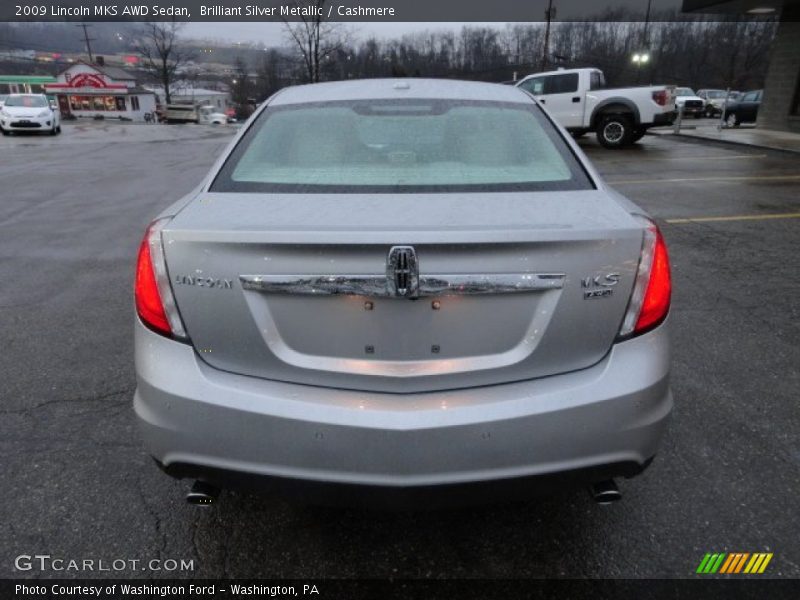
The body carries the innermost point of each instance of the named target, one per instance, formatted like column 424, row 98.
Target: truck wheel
column 615, row 131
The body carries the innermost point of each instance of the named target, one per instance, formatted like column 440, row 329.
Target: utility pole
column 645, row 49
column 549, row 14
column 88, row 41
column 646, row 23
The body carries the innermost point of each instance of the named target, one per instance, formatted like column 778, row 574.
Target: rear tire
column 615, row 131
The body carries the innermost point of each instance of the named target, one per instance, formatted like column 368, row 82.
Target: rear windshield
column 27, row 101
column 401, row 146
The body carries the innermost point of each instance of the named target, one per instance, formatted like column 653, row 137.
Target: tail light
column 650, row 299
column 155, row 303
column 661, row 97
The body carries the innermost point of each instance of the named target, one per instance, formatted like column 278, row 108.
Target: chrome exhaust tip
column 202, row 494
column 605, row 492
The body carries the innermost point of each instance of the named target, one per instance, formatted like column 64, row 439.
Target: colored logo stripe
column 734, row 563
column 710, row 563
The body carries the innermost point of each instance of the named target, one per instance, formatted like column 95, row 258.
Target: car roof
column 390, row 89
column 559, row 72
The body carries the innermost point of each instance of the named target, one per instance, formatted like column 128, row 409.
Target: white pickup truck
column 578, row 100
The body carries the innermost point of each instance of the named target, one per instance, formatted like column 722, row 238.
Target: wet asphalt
column 76, row 482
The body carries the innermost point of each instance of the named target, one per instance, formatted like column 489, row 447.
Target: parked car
column 744, row 110
column 402, row 285
column 580, row 102
column 691, row 103
column 715, row 101
column 29, row 112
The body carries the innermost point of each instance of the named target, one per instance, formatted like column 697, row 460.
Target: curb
column 682, row 137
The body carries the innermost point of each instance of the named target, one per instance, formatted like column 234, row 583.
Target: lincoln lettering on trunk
column 209, row 282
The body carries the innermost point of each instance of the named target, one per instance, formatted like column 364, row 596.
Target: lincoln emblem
column 402, row 272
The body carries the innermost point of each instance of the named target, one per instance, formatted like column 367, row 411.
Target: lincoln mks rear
column 395, row 286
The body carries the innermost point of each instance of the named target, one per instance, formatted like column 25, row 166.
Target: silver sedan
column 391, row 286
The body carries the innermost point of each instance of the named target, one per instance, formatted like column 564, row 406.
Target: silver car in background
column 400, row 286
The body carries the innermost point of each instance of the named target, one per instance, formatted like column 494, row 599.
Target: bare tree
column 161, row 54
column 316, row 39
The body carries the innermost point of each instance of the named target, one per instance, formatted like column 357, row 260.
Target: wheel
column 710, row 112
column 58, row 130
column 731, row 120
column 615, row 131
column 5, row 132
column 54, row 130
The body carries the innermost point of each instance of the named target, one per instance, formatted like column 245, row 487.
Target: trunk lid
column 294, row 287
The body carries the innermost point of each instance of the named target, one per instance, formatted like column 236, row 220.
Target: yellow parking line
column 693, row 179
column 734, row 218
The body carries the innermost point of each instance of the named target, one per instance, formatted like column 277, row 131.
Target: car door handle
column 576, row 98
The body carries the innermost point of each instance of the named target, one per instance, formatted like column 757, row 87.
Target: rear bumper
column 397, row 497
column 11, row 123
column 201, row 422
column 661, row 119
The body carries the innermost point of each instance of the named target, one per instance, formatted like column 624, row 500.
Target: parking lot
column 77, row 484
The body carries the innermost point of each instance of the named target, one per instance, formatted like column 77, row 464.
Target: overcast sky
column 271, row 34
